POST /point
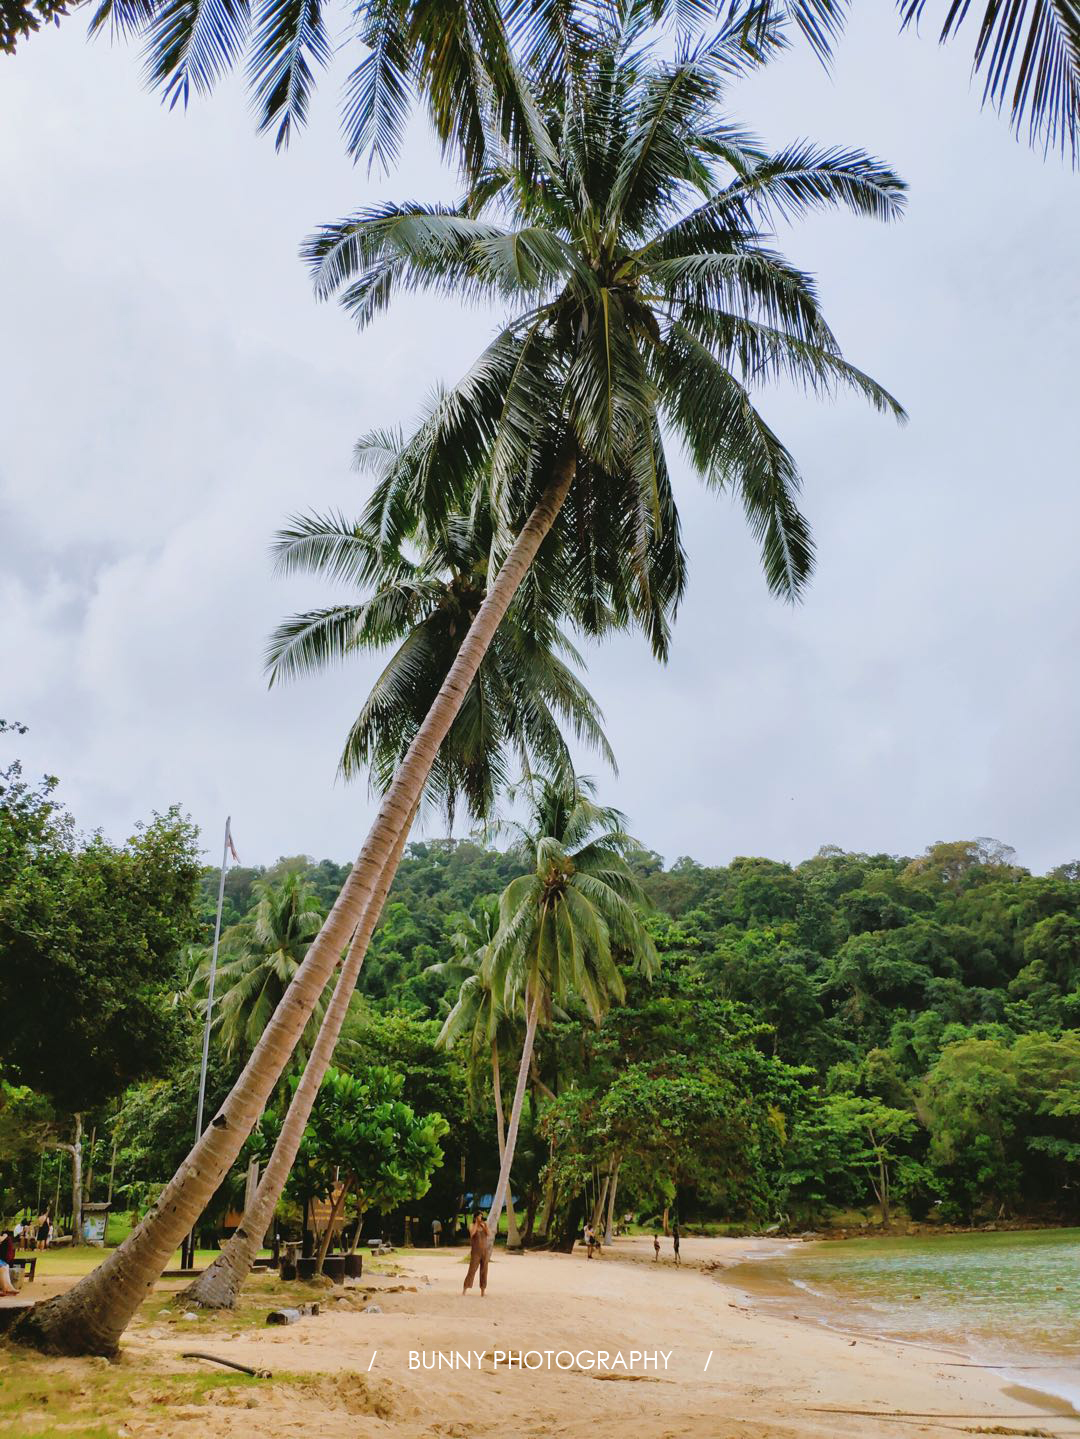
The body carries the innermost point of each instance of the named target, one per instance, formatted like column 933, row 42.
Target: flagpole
column 209, row 1017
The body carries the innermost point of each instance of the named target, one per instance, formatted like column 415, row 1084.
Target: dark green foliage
column 817, row 1036
column 20, row 18
column 91, row 938
column 436, row 880
column 362, row 1133
column 798, row 1009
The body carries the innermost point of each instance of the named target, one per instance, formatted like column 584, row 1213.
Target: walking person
column 675, row 1242
column 478, row 1254
column 656, row 1247
column 590, row 1240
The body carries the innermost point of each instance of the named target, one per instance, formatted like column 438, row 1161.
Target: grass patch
column 262, row 1292
column 73, row 1261
column 90, row 1398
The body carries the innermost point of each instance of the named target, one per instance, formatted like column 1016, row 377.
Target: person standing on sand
column 436, row 1232
column 675, row 1242
column 656, row 1246
column 478, row 1254
column 590, row 1241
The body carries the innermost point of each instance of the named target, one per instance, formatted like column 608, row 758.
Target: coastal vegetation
column 872, row 1033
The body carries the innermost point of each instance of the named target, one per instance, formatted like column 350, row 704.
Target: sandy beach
column 729, row 1370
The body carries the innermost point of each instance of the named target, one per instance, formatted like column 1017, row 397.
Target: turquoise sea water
column 1009, row 1299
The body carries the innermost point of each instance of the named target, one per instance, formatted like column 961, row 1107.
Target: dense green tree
column 972, row 1104
column 364, row 1143
column 847, row 1149
column 91, row 942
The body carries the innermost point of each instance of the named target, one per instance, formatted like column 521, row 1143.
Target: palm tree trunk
column 549, row 1205
column 601, row 1197
column 515, row 1117
column 91, row 1316
column 218, row 1286
column 513, row 1238
column 77, row 1183
column 609, row 1228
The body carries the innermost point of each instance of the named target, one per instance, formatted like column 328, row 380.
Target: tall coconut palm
column 480, row 1019
column 564, row 927
column 632, row 303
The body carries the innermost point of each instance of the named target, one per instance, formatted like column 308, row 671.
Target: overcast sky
column 170, row 392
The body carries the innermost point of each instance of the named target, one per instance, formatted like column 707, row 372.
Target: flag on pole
column 229, row 841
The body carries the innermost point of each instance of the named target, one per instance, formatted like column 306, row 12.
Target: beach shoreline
column 825, row 1300
column 732, row 1369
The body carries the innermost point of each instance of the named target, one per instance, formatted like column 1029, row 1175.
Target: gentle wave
column 1009, row 1301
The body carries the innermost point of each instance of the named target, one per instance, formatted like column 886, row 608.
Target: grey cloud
column 172, row 392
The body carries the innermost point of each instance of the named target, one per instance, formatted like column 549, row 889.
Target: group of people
column 24, row 1234
column 593, row 1245
column 33, row 1233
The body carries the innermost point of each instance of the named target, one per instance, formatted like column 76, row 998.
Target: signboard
column 93, row 1228
column 320, row 1210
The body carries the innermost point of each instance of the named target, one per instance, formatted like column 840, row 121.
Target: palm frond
column 379, row 91
column 288, row 45
column 1028, row 52
column 734, row 448
column 192, row 43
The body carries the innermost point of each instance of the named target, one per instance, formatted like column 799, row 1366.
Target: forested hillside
column 851, row 1029
column 870, row 1032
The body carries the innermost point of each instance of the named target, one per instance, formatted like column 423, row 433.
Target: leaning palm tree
column 515, row 705
column 564, row 927
column 260, row 957
column 633, row 302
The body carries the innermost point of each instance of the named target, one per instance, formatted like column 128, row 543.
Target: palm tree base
column 52, row 1329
